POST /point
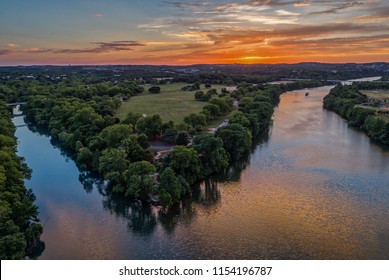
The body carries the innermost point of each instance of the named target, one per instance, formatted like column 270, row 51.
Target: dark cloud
column 272, row 2
column 104, row 47
column 330, row 28
column 182, row 5
column 339, row 7
column 5, row 52
column 380, row 40
column 33, row 50
column 376, row 13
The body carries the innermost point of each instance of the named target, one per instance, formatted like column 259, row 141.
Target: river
column 315, row 189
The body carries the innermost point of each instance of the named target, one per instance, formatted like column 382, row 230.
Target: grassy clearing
column 377, row 109
column 377, row 94
column 171, row 104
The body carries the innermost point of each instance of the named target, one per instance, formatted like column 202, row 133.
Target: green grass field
column 171, row 104
column 377, row 94
column 377, row 109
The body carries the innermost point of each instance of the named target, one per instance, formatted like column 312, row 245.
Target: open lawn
column 171, row 104
column 377, row 94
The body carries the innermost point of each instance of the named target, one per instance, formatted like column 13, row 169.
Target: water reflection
column 141, row 219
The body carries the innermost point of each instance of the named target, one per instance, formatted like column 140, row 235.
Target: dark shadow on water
column 141, row 219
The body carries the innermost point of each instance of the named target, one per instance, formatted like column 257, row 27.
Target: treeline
column 82, row 87
column 382, row 85
column 343, row 99
column 20, row 229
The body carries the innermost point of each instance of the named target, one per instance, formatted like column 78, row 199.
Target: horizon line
column 187, row 65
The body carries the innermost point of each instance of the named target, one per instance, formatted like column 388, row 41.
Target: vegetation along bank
column 20, row 229
column 364, row 105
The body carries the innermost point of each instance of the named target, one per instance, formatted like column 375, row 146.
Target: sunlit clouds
column 191, row 32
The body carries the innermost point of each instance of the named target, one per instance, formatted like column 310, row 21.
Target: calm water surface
column 315, row 189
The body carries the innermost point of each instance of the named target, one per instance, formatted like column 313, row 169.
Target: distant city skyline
column 91, row 32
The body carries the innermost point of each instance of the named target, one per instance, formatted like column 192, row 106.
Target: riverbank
column 347, row 101
column 20, row 229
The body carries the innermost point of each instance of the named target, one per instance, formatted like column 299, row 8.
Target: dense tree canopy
column 236, row 140
column 185, row 162
column 150, row 125
column 211, row 152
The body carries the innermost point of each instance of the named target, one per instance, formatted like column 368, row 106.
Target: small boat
column 307, row 93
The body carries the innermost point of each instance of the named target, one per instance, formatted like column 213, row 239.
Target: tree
column 115, row 134
column 211, row 152
column 170, row 135
column 240, row 118
column 112, row 164
column 143, row 141
column 132, row 148
column 139, row 179
column 84, row 158
column 131, row 118
column 201, row 96
column 182, row 138
column 236, row 140
column 214, row 110
column 169, row 187
column 195, row 120
column 155, row 89
column 167, row 125
column 185, row 162
column 212, row 92
column 150, row 125
column 222, row 103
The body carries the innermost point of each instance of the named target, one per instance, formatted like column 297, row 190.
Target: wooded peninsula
column 209, row 118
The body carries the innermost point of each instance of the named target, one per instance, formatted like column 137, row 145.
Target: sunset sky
column 192, row 32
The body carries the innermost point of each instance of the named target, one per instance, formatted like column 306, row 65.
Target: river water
column 315, row 189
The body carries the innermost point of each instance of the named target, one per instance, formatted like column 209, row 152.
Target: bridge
column 16, row 104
